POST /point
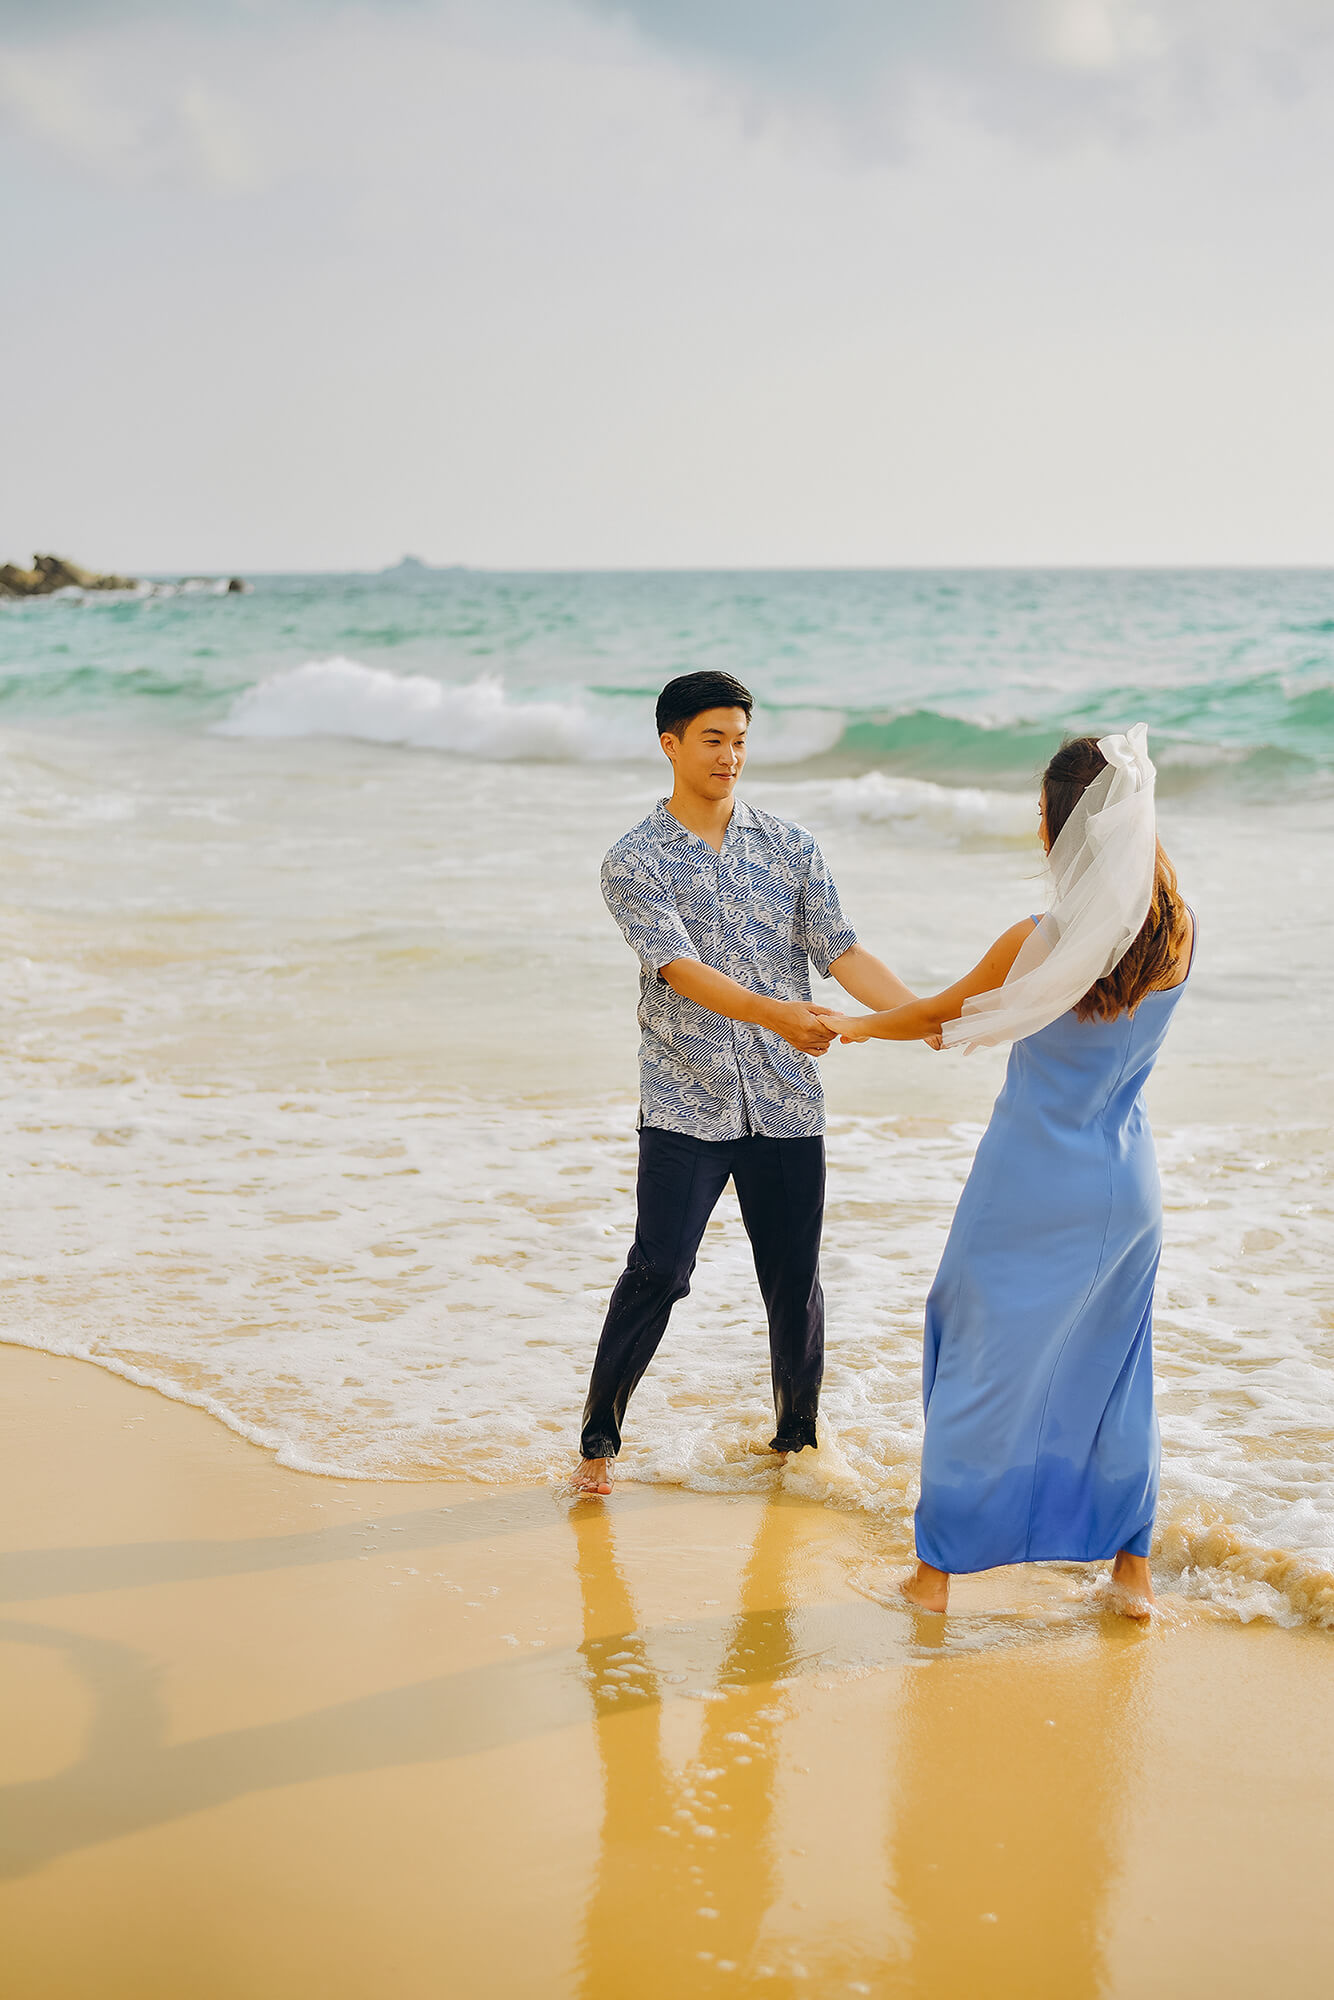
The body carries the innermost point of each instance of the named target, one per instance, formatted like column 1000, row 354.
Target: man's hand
column 805, row 1026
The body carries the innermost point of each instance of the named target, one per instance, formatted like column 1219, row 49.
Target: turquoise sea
column 320, row 1067
column 955, row 676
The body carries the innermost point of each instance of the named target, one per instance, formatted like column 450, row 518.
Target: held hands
column 814, row 1029
column 805, row 1026
column 857, row 1028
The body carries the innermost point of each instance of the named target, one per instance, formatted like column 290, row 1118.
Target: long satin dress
column 1041, row 1437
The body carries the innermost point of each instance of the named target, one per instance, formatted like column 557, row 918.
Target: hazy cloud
column 1054, row 68
column 157, row 130
column 1057, row 72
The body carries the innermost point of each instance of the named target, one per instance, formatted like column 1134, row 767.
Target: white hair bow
column 1102, row 864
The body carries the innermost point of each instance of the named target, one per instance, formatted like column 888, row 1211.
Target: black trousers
column 780, row 1188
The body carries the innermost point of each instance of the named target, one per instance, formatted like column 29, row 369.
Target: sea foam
column 909, row 807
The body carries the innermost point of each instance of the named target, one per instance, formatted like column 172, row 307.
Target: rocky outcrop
column 49, row 573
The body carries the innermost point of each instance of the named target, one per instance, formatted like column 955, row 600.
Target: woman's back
column 1038, row 1368
column 1077, row 1072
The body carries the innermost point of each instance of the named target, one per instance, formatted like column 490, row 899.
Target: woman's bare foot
column 1132, row 1586
column 926, row 1588
column 593, row 1476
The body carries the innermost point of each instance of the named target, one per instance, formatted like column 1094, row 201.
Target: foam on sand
column 410, row 1289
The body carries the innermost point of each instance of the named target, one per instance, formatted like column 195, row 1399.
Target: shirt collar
column 668, row 827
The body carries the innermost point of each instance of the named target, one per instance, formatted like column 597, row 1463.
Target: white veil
column 1102, row 867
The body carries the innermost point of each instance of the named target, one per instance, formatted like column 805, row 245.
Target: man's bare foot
column 927, row 1589
column 1132, row 1587
column 593, row 1476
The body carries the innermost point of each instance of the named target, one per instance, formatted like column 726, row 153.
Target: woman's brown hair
column 1154, row 959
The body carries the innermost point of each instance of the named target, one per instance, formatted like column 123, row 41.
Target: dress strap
column 1194, row 940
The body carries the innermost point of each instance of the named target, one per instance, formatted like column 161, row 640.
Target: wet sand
column 269, row 1735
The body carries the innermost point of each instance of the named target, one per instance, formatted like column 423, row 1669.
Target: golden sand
column 271, row 1735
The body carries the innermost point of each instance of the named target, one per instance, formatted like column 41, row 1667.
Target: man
column 724, row 906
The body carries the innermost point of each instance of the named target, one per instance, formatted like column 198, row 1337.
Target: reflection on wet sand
column 1010, row 1776
column 971, row 1862
column 686, row 1869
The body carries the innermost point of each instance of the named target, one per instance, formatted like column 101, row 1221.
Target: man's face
column 709, row 755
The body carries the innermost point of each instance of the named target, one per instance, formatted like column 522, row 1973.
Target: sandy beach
column 285, row 1734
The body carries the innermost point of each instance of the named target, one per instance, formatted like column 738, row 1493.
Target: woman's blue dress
column 1041, row 1437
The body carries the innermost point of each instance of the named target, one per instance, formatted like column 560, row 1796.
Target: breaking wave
column 1258, row 732
column 480, row 718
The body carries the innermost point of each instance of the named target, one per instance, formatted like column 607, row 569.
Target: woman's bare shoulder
column 1185, row 957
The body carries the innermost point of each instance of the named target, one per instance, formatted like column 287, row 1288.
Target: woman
column 1041, row 1440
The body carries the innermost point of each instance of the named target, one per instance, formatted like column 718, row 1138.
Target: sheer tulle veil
column 1102, row 867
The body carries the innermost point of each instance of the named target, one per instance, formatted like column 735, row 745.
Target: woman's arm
column 922, row 1018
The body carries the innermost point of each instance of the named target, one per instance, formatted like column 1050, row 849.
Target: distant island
column 51, row 573
column 418, row 566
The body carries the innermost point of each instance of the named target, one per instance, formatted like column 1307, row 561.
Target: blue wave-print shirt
column 763, row 911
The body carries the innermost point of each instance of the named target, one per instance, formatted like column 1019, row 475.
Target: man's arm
column 645, row 908
column 868, row 979
column 800, row 1024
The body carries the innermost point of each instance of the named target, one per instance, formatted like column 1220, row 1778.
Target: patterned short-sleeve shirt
column 762, row 911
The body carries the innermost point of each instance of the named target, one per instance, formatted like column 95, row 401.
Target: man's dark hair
column 690, row 694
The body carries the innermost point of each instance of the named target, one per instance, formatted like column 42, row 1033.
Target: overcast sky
column 293, row 284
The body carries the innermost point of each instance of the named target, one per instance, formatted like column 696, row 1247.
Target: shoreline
column 422, row 1731
column 1202, row 1557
